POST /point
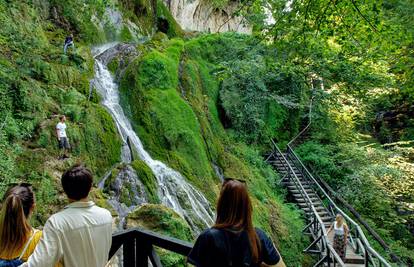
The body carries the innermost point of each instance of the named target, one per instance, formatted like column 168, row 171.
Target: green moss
column 125, row 35
column 157, row 107
column 148, row 179
column 113, row 65
column 160, row 219
column 101, row 141
column 126, row 195
column 112, row 176
column 97, row 196
column 156, row 70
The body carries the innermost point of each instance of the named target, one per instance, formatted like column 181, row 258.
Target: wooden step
column 303, row 183
column 299, row 195
column 317, row 206
column 315, row 201
column 326, row 218
column 351, row 260
column 307, row 190
column 293, row 187
column 319, row 209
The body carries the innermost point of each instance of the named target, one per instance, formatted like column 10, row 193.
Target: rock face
column 199, row 15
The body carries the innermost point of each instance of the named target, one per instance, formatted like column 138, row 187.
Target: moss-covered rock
column 148, row 179
column 160, row 219
column 163, row 220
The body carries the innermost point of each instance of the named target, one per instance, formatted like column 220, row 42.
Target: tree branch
column 363, row 16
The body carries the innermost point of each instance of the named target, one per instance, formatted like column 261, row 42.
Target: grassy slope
column 37, row 84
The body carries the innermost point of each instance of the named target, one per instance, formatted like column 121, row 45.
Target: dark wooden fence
column 138, row 246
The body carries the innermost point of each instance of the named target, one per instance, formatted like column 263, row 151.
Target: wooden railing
column 138, row 246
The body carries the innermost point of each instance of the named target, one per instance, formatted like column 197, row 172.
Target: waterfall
column 173, row 190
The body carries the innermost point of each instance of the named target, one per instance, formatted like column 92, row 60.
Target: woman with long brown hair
column 233, row 241
column 17, row 238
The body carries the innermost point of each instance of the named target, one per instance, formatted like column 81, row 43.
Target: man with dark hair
column 81, row 234
column 62, row 137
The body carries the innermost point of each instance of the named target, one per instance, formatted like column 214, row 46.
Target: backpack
column 17, row 261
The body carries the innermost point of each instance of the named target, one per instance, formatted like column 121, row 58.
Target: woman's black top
column 223, row 248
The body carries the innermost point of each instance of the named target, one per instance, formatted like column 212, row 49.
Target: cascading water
column 125, row 186
column 173, row 189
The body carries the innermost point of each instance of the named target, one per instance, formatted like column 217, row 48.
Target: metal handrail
column 351, row 209
column 317, row 222
column 368, row 250
column 360, row 234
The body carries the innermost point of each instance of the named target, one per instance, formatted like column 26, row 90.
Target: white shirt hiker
column 61, row 129
column 339, row 230
column 79, row 236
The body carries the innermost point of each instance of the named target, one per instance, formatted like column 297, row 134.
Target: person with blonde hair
column 341, row 231
column 17, row 238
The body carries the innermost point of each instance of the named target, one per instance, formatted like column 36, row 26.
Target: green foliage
column 142, row 13
column 158, row 71
column 38, row 84
column 368, row 180
column 257, row 86
column 178, row 123
column 78, row 16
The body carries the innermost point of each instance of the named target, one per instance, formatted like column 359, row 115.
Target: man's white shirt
column 78, row 236
column 61, row 129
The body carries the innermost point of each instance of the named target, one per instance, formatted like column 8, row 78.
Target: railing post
column 143, row 250
column 358, row 247
column 129, row 253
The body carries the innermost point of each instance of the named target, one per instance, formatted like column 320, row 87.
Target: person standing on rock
column 68, row 43
column 62, row 137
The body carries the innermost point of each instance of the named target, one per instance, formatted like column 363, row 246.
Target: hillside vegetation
column 209, row 104
column 178, row 92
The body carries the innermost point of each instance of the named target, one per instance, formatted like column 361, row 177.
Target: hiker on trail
column 81, row 234
column 340, row 235
column 68, row 43
column 233, row 241
column 62, row 137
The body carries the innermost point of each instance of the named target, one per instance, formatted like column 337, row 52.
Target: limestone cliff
column 200, row 15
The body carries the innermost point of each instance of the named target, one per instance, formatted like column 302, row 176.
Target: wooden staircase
column 318, row 207
column 280, row 163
